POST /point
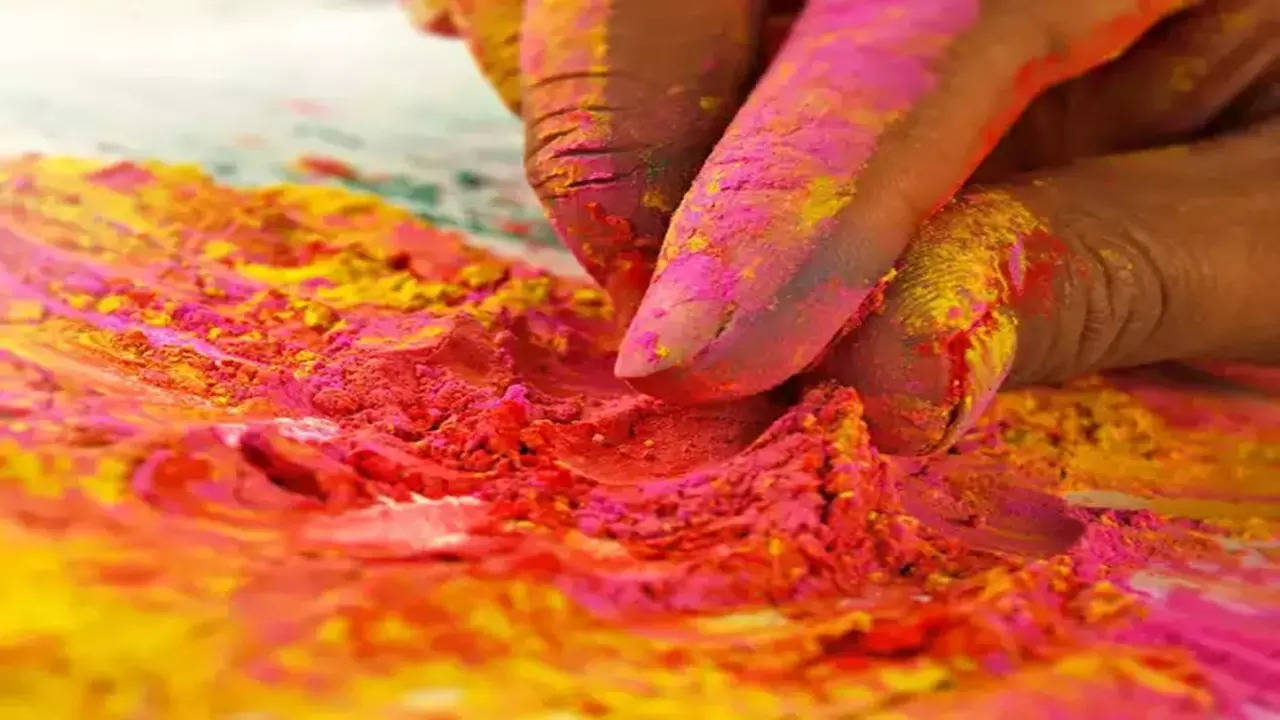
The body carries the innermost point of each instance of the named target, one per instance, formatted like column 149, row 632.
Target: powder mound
column 341, row 462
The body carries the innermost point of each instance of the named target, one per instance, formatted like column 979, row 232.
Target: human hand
column 867, row 120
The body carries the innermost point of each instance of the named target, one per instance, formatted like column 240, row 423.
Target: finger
column 430, row 16
column 492, row 32
column 1200, row 71
column 491, row 29
column 623, row 99
column 872, row 114
column 1109, row 262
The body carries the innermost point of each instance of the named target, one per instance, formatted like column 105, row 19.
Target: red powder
column 365, row 458
column 326, row 167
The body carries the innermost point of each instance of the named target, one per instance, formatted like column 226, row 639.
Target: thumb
column 1112, row 262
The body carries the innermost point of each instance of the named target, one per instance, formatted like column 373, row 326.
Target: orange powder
column 289, row 450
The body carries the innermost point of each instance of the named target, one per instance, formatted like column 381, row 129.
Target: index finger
column 871, row 116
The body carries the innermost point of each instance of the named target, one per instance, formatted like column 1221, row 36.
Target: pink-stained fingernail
column 685, row 343
column 648, row 363
column 646, row 353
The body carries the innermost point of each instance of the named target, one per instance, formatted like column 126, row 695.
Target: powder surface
column 290, row 451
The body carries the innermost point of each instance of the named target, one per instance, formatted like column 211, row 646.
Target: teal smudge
column 330, row 135
column 470, row 180
column 419, row 193
column 653, row 167
column 223, row 169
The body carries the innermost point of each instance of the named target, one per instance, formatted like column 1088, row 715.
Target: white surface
column 244, row 87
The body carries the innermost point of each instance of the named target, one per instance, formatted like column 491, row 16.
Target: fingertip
column 930, row 359
column 662, row 352
column 678, row 386
column 922, row 392
column 431, row 16
column 622, row 101
column 904, row 383
column 616, row 251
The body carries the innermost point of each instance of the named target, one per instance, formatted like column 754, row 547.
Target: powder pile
column 292, row 451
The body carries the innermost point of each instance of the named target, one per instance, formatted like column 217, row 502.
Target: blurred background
column 259, row 91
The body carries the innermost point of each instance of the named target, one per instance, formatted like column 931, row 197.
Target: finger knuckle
column 1121, row 296
column 574, row 143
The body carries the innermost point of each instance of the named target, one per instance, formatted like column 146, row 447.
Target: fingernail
column 930, row 361
column 980, row 360
column 921, row 394
column 660, row 352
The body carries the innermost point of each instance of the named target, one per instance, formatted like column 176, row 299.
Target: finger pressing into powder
column 622, row 102
column 870, row 117
column 1109, row 262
